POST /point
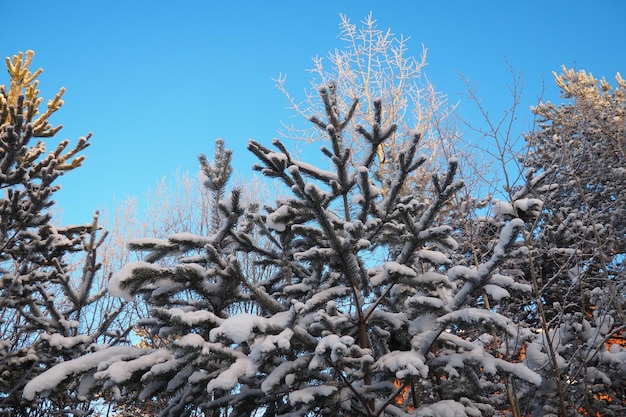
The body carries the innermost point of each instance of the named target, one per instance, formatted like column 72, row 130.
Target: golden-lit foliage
column 19, row 106
column 24, row 83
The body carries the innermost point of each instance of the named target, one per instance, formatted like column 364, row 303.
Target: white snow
column 434, row 257
column 163, row 286
column 404, row 364
column 193, row 318
column 502, row 209
column 535, row 357
column 229, row 378
column 314, row 191
column 519, row 370
column 240, row 327
column 323, row 296
column 308, row 394
column 395, row 320
column 57, row 374
column 380, row 274
column 434, row 278
column 475, row 315
column 445, row 408
column 337, row 346
column 190, row 237
column 509, row 282
column 276, row 219
column 462, row 272
column 509, row 232
column 277, row 157
column 496, row 292
column 125, row 273
column 63, row 342
column 271, row 343
column 365, row 184
column 160, row 368
column 357, row 199
column 284, row 370
column 191, row 340
column 533, row 205
column 395, row 268
column 314, row 171
column 122, row 371
column 299, row 287
column 149, row 241
column 418, row 300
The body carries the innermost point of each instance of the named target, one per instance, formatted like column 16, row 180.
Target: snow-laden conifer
column 577, row 170
column 50, row 307
column 362, row 311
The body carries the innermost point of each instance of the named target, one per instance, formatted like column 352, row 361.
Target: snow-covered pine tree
column 363, row 313
column 579, row 246
column 580, row 148
column 217, row 175
column 49, row 311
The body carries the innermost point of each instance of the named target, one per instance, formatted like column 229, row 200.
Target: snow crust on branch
column 117, row 282
column 308, row 394
column 241, row 327
column 403, row 364
column 53, row 377
column 66, row 342
column 229, row 378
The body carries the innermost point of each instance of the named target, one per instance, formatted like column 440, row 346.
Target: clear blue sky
column 157, row 81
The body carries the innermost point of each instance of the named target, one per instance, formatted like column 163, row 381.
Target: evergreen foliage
column 578, row 245
column 363, row 291
column 362, row 306
column 47, row 300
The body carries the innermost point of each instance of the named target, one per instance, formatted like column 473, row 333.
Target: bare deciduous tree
column 374, row 64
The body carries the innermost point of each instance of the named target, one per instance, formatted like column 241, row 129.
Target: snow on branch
column 100, row 360
column 478, row 318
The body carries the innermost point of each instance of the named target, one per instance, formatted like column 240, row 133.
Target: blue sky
column 156, row 82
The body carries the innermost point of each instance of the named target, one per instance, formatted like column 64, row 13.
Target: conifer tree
column 578, row 245
column 363, row 312
column 47, row 299
column 217, row 176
